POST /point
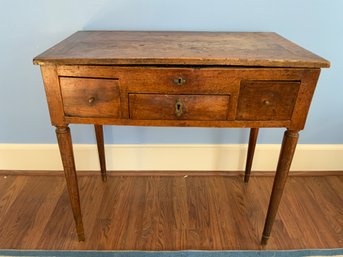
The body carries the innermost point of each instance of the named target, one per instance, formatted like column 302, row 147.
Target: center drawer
column 178, row 107
column 187, row 81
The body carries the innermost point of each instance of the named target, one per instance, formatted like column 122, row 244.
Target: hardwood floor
column 170, row 213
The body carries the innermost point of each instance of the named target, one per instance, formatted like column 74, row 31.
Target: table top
column 254, row 49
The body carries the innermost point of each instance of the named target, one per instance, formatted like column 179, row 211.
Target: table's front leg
column 289, row 144
column 66, row 151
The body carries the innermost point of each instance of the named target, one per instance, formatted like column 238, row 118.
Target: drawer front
column 267, row 100
column 87, row 97
column 178, row 107
column 181, row 81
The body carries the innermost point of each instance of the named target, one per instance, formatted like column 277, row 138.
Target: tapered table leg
column 289, row 144
column 66, row 151
column 251, row 151
column 101, row 150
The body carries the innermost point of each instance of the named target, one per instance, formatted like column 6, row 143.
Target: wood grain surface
column 178, row 107
column 85, row 97
column 170, row 213
column 267, row 100
column 178, row 48
column 269, row 97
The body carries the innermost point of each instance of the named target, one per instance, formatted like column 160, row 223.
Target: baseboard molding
column 167, row 173
column 170, row 157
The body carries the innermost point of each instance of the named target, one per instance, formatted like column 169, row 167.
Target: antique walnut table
column 184, row 79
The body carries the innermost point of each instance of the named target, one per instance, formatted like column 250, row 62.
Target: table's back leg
column 67, row 156
column 101, row 150
column 251, row 151
column 289, row 144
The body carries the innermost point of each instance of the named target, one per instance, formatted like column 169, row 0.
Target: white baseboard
column 170, row 157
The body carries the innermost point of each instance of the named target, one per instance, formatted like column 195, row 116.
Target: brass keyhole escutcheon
column 178, row 108
column 179, row 81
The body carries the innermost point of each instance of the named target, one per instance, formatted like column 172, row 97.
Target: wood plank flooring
column 170, row 213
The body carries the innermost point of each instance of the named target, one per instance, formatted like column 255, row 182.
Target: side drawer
column 88, row 97
column 178, row 107
column 267, row 100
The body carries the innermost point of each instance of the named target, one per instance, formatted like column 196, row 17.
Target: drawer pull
column 178, row 108
column 91, row 100
column 266, row 102
column 179, row 81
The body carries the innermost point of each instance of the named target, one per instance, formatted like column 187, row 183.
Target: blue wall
column 29, row 27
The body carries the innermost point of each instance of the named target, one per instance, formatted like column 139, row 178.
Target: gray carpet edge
column 184, row 253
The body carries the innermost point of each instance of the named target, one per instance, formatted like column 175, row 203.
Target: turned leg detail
column 101, row 150
column 251, row 151
column 66, row 151
column 289, row 144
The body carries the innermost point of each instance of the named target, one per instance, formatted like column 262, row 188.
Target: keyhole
column 179, row 81
column 178, row 108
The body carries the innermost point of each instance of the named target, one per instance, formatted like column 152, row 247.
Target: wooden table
column 184, row 79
